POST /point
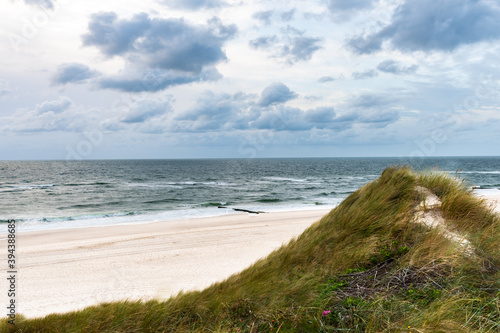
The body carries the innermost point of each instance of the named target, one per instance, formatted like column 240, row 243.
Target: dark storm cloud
column 430, row 25
column 193, row 4
column 170, row 44
column 72, row 72
column 395, row 67
column 364, row 75
column 276, row 93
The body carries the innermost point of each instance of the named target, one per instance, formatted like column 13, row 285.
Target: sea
column 46, row 195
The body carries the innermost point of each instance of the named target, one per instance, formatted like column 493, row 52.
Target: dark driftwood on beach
column 242, row 210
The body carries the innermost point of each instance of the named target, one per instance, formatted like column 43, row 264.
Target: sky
column 134, row 79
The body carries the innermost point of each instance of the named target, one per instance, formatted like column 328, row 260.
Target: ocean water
column 44, row 195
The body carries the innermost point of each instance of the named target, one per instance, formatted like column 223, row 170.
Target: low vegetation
column 368, row 265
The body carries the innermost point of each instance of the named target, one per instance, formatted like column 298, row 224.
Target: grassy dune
column 368, row 265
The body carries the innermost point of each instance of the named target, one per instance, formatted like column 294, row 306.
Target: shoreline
column 177, row 215
column 166, row 216
column 63, row 270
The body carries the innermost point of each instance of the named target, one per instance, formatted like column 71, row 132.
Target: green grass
column 365, row 266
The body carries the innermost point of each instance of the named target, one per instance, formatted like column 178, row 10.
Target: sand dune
column 65, row 270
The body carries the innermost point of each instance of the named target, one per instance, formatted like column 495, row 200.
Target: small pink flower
column 326, row 312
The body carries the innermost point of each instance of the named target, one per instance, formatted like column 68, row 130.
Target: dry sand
column 65, row 270
column 493, row 199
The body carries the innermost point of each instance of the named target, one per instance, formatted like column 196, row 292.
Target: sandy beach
column 493, row 200
column 65, row 270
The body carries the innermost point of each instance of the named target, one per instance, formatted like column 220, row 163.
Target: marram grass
column 366, row 266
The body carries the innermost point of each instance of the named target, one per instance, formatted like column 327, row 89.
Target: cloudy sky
column 239, row 78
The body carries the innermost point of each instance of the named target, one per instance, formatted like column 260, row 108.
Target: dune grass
column 365, row 266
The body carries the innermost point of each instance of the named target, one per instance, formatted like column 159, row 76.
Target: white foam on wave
column 212, row 183
column 31, row 186
column 285, row 179
column 179, row 185
column 37, row 224
column 154, row 185
column 218, row 183
column 494, row 172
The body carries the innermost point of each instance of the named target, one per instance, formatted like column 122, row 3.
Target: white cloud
column 276, row 93
column 59, row 115
column 4, row 88
column 343, row 9
column 143, row 110
column 395, row 67
column 55, row 106
column 73, row 73
column 171, row 51
column 429, row 25
column 194, row 4
column 365, row 75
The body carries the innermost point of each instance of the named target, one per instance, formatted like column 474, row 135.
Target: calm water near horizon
column 63, row 194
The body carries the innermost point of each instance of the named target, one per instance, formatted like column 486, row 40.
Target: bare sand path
column 65, row 270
